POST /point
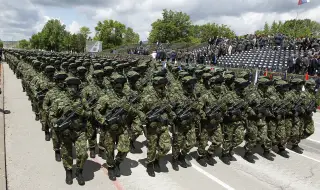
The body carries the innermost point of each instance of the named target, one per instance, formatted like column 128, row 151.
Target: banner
column 94, row 46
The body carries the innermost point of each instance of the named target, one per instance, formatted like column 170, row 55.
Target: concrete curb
column 3, row 172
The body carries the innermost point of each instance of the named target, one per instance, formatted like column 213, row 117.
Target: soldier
column 43, row 87
column 187, row 110
column 298, row 111
column 81, row 73
column 233, row 122
column 156, row 112
column 94, row 91
column 72, row 112
column 54, row 94
column 111, row 112
column 134, row 90
column 283, row 104
column 310, row 107
column 211, row 125
column 257, row 129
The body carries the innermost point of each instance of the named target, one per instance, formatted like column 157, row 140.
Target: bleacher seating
column 274, row 60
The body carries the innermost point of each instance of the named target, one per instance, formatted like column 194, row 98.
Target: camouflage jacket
column 64, row 106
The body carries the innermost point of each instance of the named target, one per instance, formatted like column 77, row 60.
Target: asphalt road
column 31, row 164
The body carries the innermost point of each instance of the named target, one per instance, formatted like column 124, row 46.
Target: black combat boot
column 117, row 168
column 57, row 155
column 37, row 117
column 150, row 169
column 183, row 162
column 102, row 153
column 202, row 161
column 111, row 173
column 132, row 147
column 92, row 152
column 210, row 159
column 297, row 149
column 283, row 153
column 175, row 164
column 267, row 155
column 156, row 165
column 69, row 179
column 47, row 135
column 225, row 157
column 79, row 177
column 249, row 157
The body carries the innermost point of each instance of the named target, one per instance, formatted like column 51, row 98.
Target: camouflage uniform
column 233, row 122
column 52, row 95
column 280, row 111
column 211, row 124
column 257, row 129
column 187, row 110
column 155, row 111
column 94, row 91
column 72, row 131
column 111, row 112
column 310, row 107
column 298, row 111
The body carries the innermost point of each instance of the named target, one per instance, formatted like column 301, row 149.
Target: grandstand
column 265, row 58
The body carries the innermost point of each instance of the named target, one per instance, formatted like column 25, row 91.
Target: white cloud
column 243, row 16
column 74, row 27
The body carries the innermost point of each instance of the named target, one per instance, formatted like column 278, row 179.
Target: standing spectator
column 291, row 63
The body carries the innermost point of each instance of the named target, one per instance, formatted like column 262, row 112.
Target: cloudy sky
column 19, row 19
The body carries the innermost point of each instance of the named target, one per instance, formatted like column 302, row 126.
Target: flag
column 300, row 2
column 306, row 77
column 266, row 73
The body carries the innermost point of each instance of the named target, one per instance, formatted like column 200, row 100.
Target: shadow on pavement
column 126, row 165
column 89, row 169
column 5, row 111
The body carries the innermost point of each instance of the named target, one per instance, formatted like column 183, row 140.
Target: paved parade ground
column 31, row 165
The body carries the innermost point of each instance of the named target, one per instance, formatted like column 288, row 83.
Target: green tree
column 266, row 29
column 113, row 33
column 130, row 37
column 1, row 44
column 24, row 44
column 52, row 35
column 174, row 27
column 85, row 31
column 274, row 28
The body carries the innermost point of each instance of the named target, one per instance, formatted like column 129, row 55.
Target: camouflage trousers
column 56, row 141
column 257, row 132
column 79, row 140
column 296, row 130
column 184, row 140
column 44, row 120
column 92, row 135
column 159, row 143
column 272, row 126
column 119, row 138
column 281, row 133
column 233, row 135
column 308, row 128
column 214, row 135
column 136, row 129
column 288, row 124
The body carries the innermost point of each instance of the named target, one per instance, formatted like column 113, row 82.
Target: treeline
column 177, row 27
column 1, row 44
column 292, row 28
column 54, row 36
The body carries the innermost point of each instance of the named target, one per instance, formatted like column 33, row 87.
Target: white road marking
column 304, row 156
column 211, row 177
column 314, row 141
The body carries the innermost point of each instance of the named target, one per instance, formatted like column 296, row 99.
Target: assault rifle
column 264, row 107
column 312, row 107
column 154, row 115
column 298, row 106
column 281, row 109
column 210, row 112
column 236, row 109
column 40, row 95
column 65, row 121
